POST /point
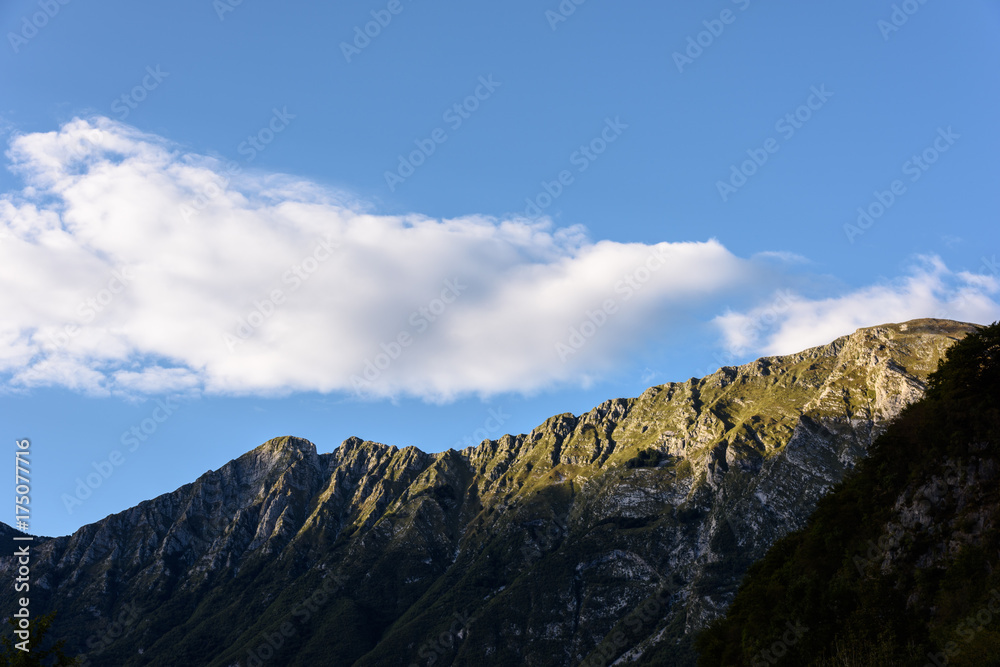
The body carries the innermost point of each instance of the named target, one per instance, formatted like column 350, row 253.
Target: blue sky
column 221, row 223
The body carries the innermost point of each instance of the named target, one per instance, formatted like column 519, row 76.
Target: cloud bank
column 132, row 266
column 790, row 323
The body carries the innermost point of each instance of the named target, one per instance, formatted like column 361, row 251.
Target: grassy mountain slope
column 617, row 533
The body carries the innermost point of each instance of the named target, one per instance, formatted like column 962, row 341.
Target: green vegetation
column 582, row 541
column 876, row 586
column 53, row 656
column 647, row 458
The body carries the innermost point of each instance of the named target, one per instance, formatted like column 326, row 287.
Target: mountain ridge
column 900, row 564
column 585, row 514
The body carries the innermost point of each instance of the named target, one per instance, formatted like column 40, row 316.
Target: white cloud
column 790, row 323
column 781, row 256
column 132, row 267
column 128, row 268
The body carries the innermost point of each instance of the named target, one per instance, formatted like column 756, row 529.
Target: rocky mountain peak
column 574, row 524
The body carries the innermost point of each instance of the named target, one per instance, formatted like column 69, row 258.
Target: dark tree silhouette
column 54, row 656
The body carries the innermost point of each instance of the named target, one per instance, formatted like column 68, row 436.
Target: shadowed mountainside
column 900, row 565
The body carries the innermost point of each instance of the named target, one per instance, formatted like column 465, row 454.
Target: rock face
column 900, row 564
column 589, row 540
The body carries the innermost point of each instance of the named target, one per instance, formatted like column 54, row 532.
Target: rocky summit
column 613, row 535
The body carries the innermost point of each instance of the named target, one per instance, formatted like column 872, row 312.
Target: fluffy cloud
column 131, row 266
column 789, row 323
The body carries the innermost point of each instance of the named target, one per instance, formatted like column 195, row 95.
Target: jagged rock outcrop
column 591, row 538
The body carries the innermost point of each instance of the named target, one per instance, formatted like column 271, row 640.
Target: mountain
column 900, row 564
column 622, row 531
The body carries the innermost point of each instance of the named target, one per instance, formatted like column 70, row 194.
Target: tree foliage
column 53, row 656
column 860, row 606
